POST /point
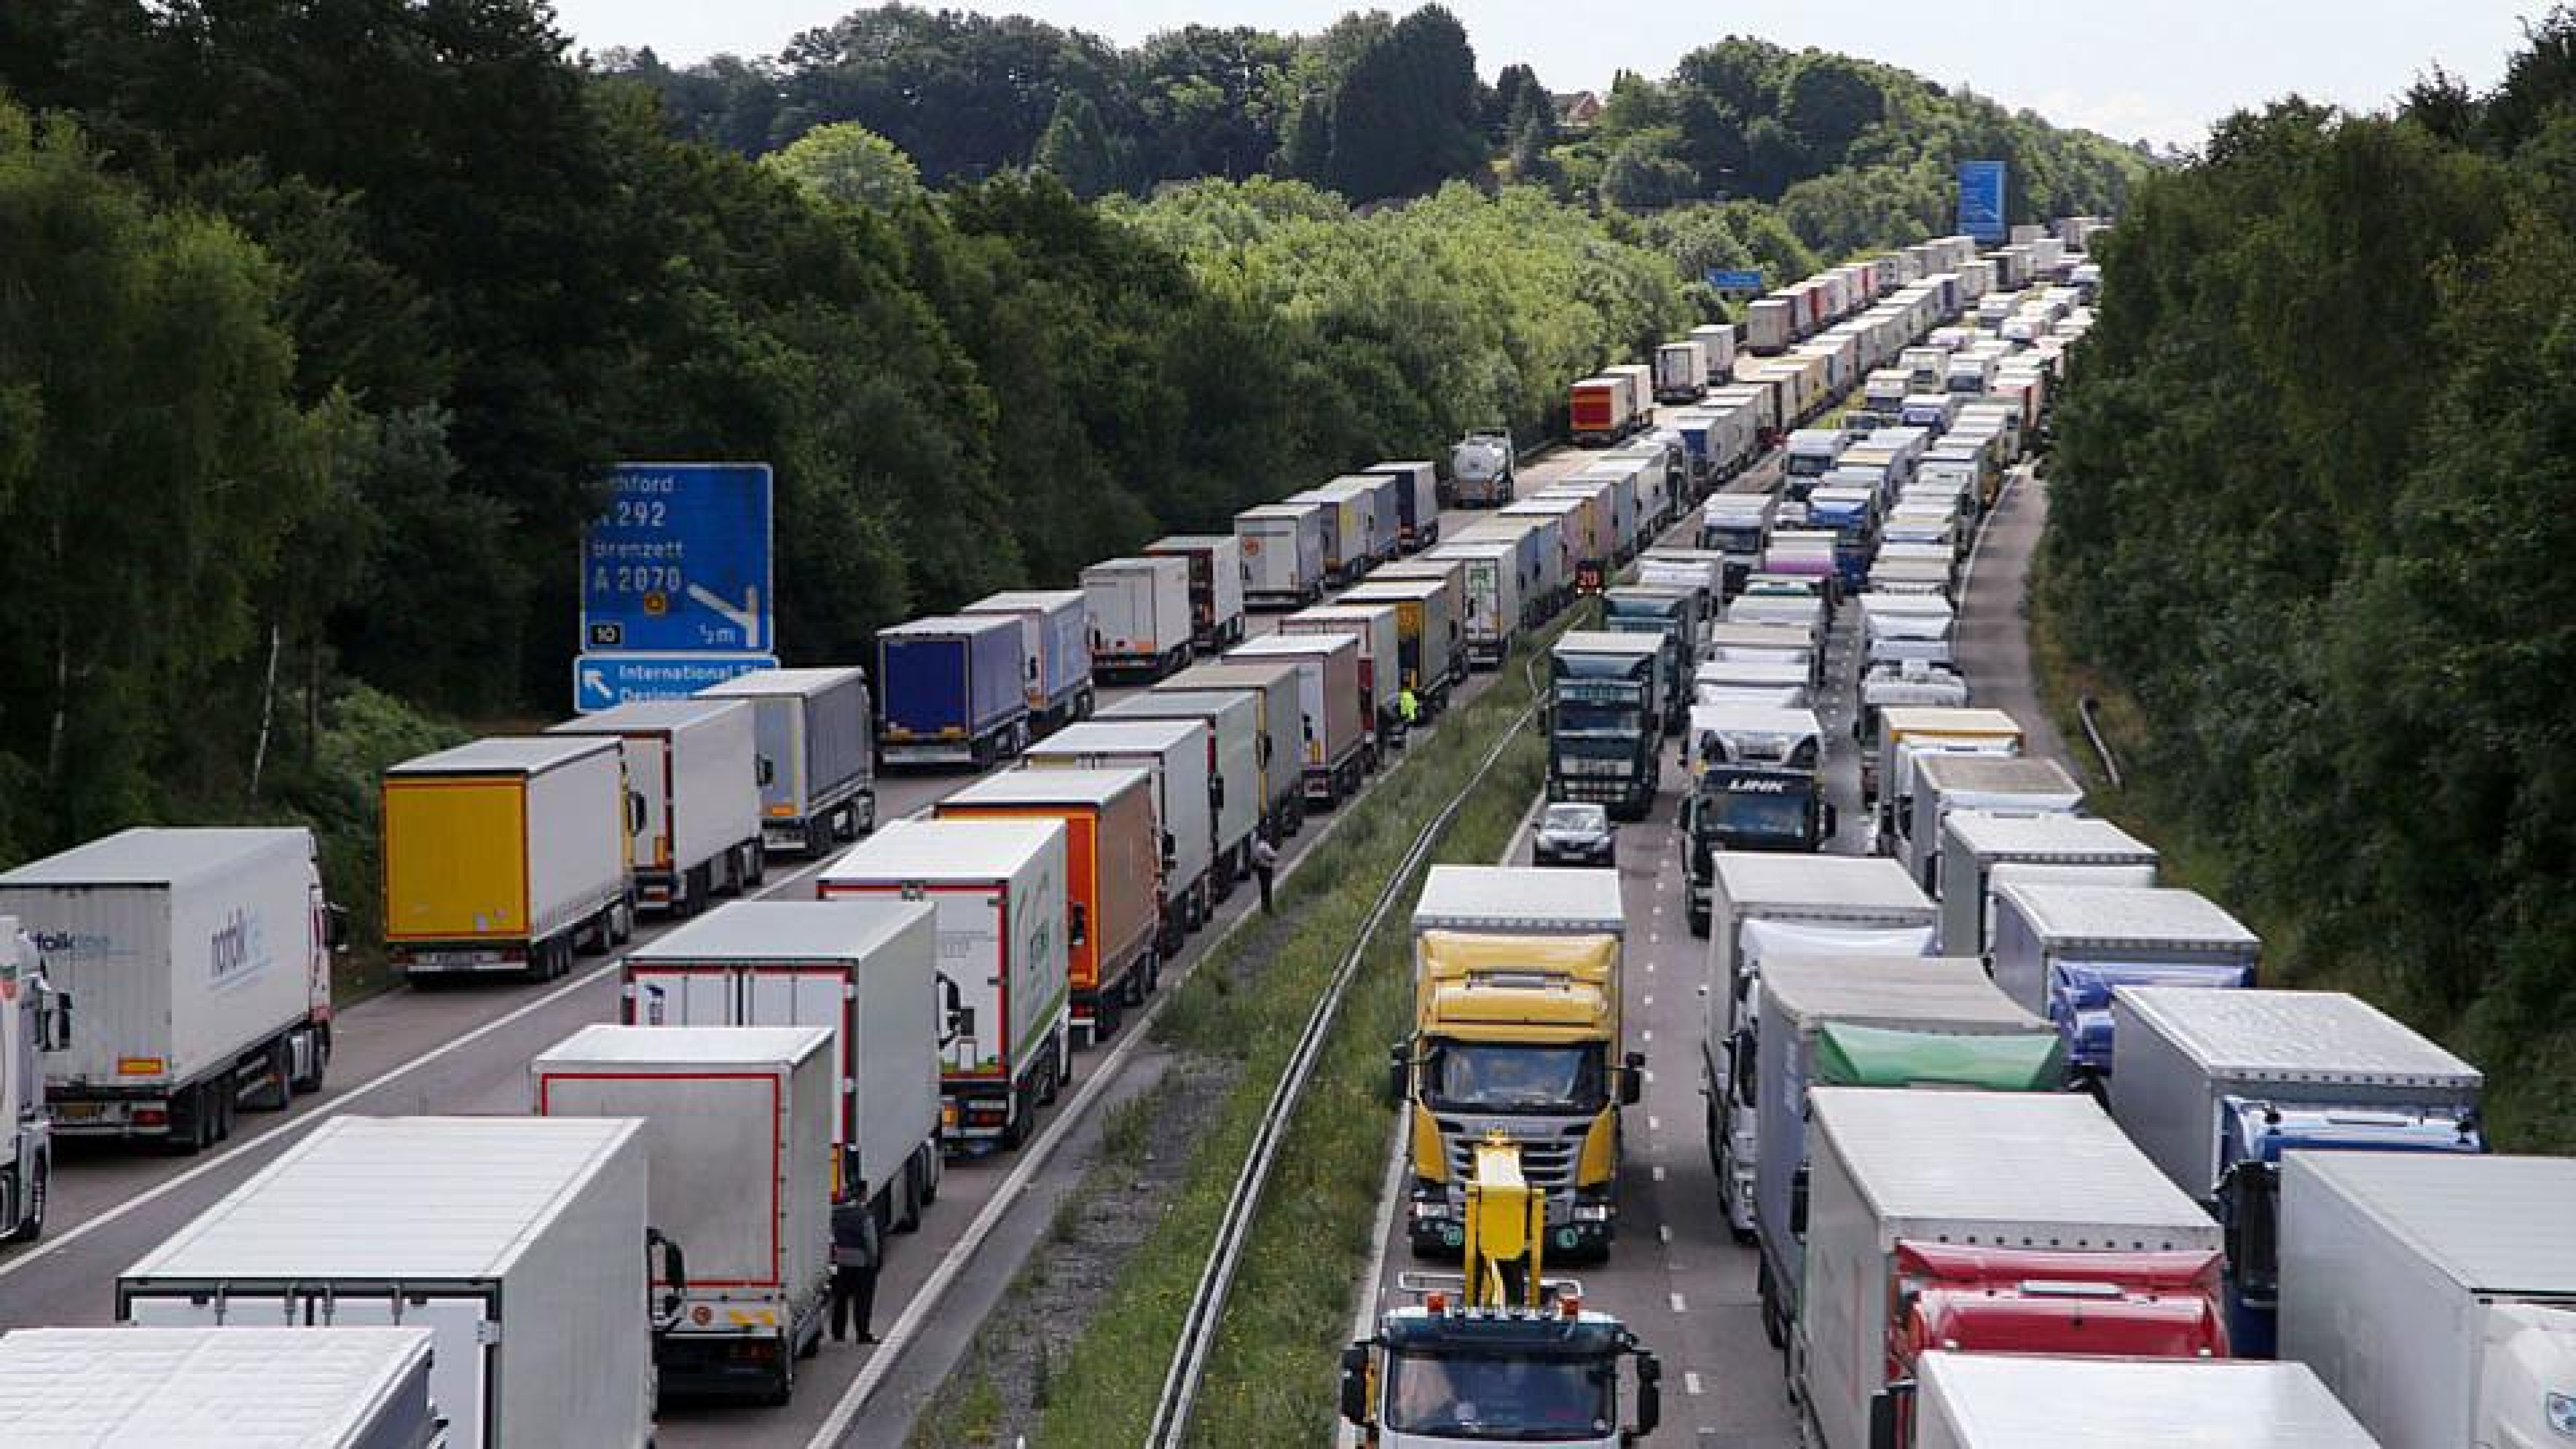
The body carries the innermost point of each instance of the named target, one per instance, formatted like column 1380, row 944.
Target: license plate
column 454, row 958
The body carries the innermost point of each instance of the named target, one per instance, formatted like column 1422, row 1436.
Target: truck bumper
column 461, row 960
column 975, row 1111
column 744, row 1360
column 142, row 1116
column 1580, row 1224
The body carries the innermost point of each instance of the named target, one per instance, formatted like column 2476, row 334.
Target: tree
column 1515, row 89
column 1076, row 149
column 1828, row 102
column 1643, row 176
column 847, row 164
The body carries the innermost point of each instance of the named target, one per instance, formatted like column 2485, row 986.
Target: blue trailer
column 1055, row 629
column 952, row 690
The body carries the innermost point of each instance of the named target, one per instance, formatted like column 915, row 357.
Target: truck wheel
column 220, row 1101
column 783, row 1389
column 907, row 1209
column 758, row 854
column 39, row 1188
column 280, row 1074
column 1016, row 1131
column 819, row 834
column 1772, row 1328
column 933, row 1167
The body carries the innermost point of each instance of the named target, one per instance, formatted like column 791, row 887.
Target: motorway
column 464, row 1050
column 1676, row 1276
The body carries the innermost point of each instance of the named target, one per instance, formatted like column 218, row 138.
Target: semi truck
column 865, row 970
column 1681, row 372
column 818, row 760
column 32, row 1023
column 1417, row 498
column 1737, row 525
column 692, row 797
column 1004, row 1031
column 1430, row 638
column 506, row 855
column 1113, row 896
column 1349, row 518
column 1605, row 720
column 519, row 1242
column 1905, row 732
column 955, row 691
column 2032, row 1401
column 1518, row 1031
column 2062, row 948
column 1385, row 513
column 2021, row 784
column 738, row 1176
column 1141, row 620
column 1334, row 738
column 1055, row 652
column 220, row 1388
column 1480, row 468
column 1283, row 554
column 1490, row 601
column 1601, row 411
column 1867, row 1021
column 2014, row 1222
column 186, row 973
column 1982, row 847
column 1273, row 686
column 1234, row 745
column 1381, row 659
column 1717, row 349
column 1757, row 783
column 2431, row 1293
column 1175, row 754
column 1216, row 586
column 1761, row 906
column 2214, row 1086
column 1672, row 617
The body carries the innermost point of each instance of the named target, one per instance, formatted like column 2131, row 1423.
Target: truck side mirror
column 1632, row 1081
column 634, row 812
column 674, row 1274
column 1077, row 925
column 53, row 1020
column 1886, row 1414
column 1355, row 1370
column 767, row 772
column 335, row 927
column 1650, row 1395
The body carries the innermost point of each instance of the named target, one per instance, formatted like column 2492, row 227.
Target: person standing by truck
column 1265, row 865
column 856, row 1249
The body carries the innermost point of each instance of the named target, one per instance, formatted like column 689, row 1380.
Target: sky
column 2158, row 69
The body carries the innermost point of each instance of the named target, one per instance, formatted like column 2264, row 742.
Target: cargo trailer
column 219, row 1388
column 1681, row 372
column 1005, row 1033
column 693, row 797
column 1417, row 500
column 955, row 691
column 738, row 1175
column 1283, row 554
column 1216, row 586
column 2020, row 784
column 1979, row 847
column 507, row 855
column 1273, row 685
column 818, row 760
column 1234, row 743
column 1334, row 738
column 1490, row 601
column 1717, row 350
column 519, row 1242
column 2061, row 949
column 1429, row 635
column 1055, row 652
column 1349, row 520
column 1141, row 623
column 1386, row 511
column 1600, row 411
column 33, row 1022
column 189, row 972
column 1770, row 325
column 2030, row 1401
column 866, row 971
column 1114, row 871
column 1175, row 753
column 1381, row 668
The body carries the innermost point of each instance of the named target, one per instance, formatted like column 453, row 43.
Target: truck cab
column 34, row 1019
column 1739, row 527
column 1757, row 783
column 1604, row 720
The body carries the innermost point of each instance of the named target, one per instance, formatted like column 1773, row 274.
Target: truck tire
column 934, row 1166
column 758, row 855
column 280, row 1072
column 907, row 1197
column 782, row 1389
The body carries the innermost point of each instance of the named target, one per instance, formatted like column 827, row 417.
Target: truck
column 1141, row 620
column 1417, row 498
column 1430, row 637
column 2030, row 1401
column 1004, row 1033
column 1480, row 468
column 187, row 973
column 1216, row 586
column 1737, row 525
column 1490, row 602
column 1757, row 783
column 1769, row 326
column 1672, row 618
column 738, row 1176
column 1761, row 906
column 1280, row 723
column 1982, row 847
column 2431, row 1293
column 1905, row 626
column 1283, row 554
column 1904, row 732
column 1867, row 1021
column 1349, row 521
column 2022, row 784
column 1681, row 372
column 2016, row 1222
column 2061, row 949
column 1517, row 1032
column 954, row 691
column 1499, row 1350
column 1812, row 453
column 1113, row 929
column 1717, row 349
column 1334, row 741
column 1381, row 667
column 32, row 1023
column 692, row 797
column 1600, row 410
column 2214, row 1086
column 506, row 855
column 519, row 1242
column 1385, row 515
column 1055, row 652
column 863, row 969
column 221, row 1388
column 1175, row 753
column 1695, row 571
column 1234, row 745
column 1604, row 718
column 817, row 763
column 1782, row 685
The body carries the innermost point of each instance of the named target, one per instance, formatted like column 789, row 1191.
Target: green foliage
column 847, row 164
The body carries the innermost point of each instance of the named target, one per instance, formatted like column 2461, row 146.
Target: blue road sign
column 604, row 681
column 1723, row 280
column 679, row 564
column 1981, row 200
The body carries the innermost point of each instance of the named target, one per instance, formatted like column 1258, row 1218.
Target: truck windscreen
column 1578, row 717
column 1496, row 1077
column 1740, row 816
column 1487, row 1396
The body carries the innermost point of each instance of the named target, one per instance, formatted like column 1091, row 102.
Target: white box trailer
column 2434, row 1294
column 816, row 736
column 1681, row 372
column 1216, row 585
column 865, row 970
column 1004, row 1029
column 1175, row 752
column 2033, row 1401
column 1055, row 640
column 1417, row 501
column 1489, row 598
column 1235, row 745
column 1717, row 350
column 2008, row 1170
column 518, row 1241
column 1283, row 554
column 219, row 1388
column 1379, row 628
column 693, row 787
column 1140, row 616
column 1763, row 905
column 1349, row 520
column 738, row 1174
column 1982, row 847
column 2023, row 784
column 1273, row 685
column 196, row 968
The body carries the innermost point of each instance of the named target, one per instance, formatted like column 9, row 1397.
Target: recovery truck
column 1499, row 1352
column 1517, row 1030
column 1603, row 720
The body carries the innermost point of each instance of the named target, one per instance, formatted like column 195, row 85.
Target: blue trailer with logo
column 952, row 690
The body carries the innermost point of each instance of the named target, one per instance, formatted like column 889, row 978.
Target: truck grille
column 1548, row 1152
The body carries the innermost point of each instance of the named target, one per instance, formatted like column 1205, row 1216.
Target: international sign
column 679, row 563
column 1748, row 282
column 605, row 681
column 1981, row 200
